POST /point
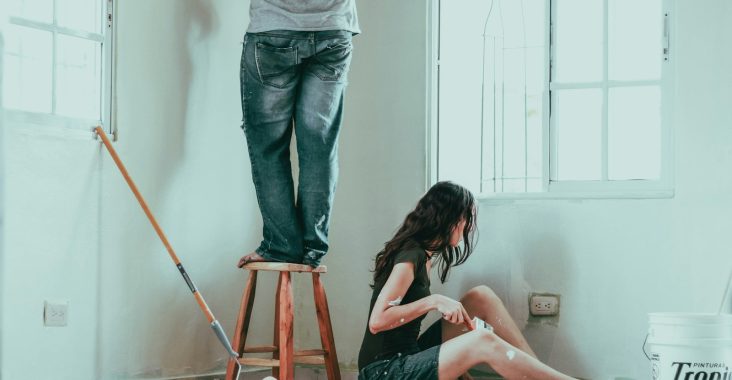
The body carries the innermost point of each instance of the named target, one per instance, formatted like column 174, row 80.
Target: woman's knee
column 486, row 341
column 482, row 294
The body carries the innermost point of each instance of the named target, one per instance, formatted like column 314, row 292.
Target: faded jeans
column 294, row 80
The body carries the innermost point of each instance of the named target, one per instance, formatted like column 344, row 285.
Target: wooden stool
column 284, row 355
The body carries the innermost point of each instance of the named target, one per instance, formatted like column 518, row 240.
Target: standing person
column 401, row 298
column 294, row 65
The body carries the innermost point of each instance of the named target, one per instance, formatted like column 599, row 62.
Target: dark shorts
column 422, row 365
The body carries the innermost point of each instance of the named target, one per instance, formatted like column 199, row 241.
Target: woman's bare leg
column 481, row 346
column 483, row 303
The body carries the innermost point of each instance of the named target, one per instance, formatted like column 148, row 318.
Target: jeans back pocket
column 276, row 65
column 333, row 61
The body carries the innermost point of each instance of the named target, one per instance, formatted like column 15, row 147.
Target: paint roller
column 214, row 323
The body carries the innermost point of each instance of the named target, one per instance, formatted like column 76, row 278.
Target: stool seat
column 285, row 267
column 283, row 352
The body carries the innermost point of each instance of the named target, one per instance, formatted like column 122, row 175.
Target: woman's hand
column 453, row 311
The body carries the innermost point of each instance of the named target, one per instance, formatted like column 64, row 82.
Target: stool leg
column 276, row 340
column 286, row 343
column 242, row 324
column 326, row 330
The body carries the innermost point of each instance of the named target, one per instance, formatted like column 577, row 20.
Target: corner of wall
column 2, row 187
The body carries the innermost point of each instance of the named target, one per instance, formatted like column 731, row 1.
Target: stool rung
column 310, row 359
column 309, row 353
column 262, row 362
column 258, row 349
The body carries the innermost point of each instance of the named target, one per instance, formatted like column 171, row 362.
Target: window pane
column 534, row 136
column 36, row 10
column 78, row 82
column 27, row 71
column 634, row 133
column 492, row 112
column 535, row 22
column 80, row 14
column 514, row 117
column 635, row 33
column 461, row 57
column 578, row 129
column 579, row 40
column 512, row 92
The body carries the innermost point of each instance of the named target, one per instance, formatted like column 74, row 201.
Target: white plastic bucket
column 685, row 346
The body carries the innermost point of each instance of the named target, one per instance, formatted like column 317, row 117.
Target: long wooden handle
column 139, row 197
column 199, row 299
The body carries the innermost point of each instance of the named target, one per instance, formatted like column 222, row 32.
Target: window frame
column 566, row 189
column 106, row 37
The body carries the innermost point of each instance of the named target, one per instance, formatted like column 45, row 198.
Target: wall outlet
column 544, row 304
column 55, row 314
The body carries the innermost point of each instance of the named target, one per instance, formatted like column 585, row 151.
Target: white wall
column 179, row 123
column 2, row 184
column 179, row 117
column 74, row 232
column 614, row 261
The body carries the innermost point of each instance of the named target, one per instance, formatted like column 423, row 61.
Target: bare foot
column 250, row 258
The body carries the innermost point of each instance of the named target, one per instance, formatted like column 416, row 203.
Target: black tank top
column 402, row 339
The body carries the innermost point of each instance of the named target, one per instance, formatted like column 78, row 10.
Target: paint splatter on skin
column 511, row 354
column 395, row 302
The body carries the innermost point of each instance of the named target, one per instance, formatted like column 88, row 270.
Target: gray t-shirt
column 303, row 15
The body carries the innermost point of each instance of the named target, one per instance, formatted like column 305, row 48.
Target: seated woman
column 401, row 298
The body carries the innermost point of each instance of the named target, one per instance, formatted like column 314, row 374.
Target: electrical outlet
column 544, row 304
column 55, row 314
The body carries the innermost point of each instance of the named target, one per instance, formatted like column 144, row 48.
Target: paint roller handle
column 216, row 326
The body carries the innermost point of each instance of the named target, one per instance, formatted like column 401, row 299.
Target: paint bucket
column 688, row 346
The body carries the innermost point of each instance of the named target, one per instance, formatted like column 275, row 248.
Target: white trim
column 604, row 159
column 55, row 28
column 609, row 84
column 433, row 67
column 619, row 186
column 668, row 98
column 578, row 195
column 546, row 135
column 40, row 119
column 3, row 180
column 108, row 67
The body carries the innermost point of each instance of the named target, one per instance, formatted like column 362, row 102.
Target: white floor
column 301, row 373
column 304, row 373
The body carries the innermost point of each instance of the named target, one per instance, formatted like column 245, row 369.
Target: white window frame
column 106, row 37
column 601, row 189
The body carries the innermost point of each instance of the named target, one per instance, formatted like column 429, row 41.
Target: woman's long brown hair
column 429, row 227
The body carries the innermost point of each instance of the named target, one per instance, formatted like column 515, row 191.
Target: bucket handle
column 644, row 347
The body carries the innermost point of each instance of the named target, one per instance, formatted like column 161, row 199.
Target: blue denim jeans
column 423, row 365
column 292, row 80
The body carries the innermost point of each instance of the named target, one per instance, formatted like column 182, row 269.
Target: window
column 58, row 62
column 562, row 97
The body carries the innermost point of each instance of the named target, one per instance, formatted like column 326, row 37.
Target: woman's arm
column 388, row 313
